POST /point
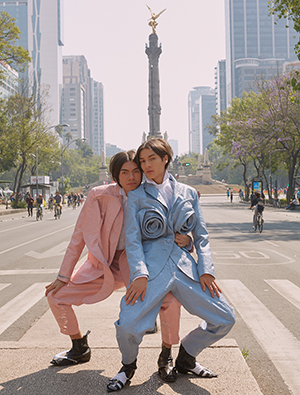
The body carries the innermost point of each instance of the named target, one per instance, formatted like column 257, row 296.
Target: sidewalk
column 5, row 211
column 25, row 367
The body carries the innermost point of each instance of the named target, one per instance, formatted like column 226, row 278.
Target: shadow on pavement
column 272, row 231
column 53, row 380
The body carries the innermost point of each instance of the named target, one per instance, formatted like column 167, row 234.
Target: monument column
column 153, row 52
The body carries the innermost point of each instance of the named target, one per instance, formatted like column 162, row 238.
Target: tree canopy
column 264, row 129
column 10, row 53
column 290, row 10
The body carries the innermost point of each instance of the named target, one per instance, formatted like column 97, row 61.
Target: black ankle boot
column 184, row 361
column 79, row 353
column 166, row 370
column 115, row 384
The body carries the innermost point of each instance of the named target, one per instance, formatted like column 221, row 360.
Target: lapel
column 176, row 190
column 152, row 191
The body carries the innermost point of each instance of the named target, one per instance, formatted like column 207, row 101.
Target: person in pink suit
column 101, row 227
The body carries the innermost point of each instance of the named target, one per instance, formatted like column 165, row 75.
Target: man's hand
column 182, row 240
column 207, row 280
column 137, row 287
column 55, row 286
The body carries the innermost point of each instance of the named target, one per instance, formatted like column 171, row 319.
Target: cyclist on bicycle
column 50, row 202
column 40, row 202
column 258, row 205
column 58, row 200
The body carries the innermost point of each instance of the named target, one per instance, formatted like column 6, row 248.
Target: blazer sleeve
column 75, row 246
column 134, row 246
column 201, row 241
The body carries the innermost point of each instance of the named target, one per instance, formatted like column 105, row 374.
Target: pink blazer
column 98, row 227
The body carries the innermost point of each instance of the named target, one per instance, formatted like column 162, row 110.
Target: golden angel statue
column 153, row 22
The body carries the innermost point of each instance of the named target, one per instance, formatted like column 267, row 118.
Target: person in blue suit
column 156, row 211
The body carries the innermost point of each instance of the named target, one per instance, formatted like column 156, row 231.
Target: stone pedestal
column 103, row 176
column 206, row 169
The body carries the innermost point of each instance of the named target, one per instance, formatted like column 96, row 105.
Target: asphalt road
column 258, row 273
column 260, row 276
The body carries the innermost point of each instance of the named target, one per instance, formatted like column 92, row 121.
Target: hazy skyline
column 112, row 36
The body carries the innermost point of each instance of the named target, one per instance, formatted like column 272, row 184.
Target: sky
column 112, row 34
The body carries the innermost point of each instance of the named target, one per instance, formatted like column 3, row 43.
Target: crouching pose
column 156, row 211
column 101, row 227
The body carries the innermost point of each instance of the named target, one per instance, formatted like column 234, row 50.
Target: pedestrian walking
column 29, row 202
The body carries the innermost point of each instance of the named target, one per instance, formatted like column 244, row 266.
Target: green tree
column 290, row 10
column 7, row 155
column 26, row 134
column 14, row 55
column 86, row 150
column 189, row 163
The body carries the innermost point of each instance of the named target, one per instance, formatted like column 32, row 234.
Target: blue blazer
column 151, row 228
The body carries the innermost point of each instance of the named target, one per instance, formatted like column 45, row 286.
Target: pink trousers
column 73, row 294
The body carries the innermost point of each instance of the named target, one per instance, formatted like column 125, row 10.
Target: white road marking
column 254, row 254
column 16, row 307
column 38, row 238
column 36, row 271
column 286, row 289
column 278, row 342
column 54, row 251
column 270, row 242
column 4, row 285
column 27, row 271
column 265, row 256
column 17, row 227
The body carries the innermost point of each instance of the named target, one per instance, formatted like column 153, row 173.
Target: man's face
column 130, row 176
column 153, row 165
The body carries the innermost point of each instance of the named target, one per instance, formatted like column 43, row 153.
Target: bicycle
column 50, row 206
column 57, row 212
column 39, row 213
column 259, row 221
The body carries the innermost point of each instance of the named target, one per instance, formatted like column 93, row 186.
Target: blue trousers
column 134, row 321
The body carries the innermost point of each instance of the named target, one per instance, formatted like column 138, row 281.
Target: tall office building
column 220, row 86
column 202, row 105
column 75, row 96
column 9, row 81
column 40, row 23
column 255, row 46
column 98, row 139
column 174, row 145
column 111, row 150
column 82, row 104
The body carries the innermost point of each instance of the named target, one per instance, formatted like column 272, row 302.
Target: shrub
column 20, row 204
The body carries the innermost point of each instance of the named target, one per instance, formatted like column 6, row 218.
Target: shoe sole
column 66, row 361
column 167, row 378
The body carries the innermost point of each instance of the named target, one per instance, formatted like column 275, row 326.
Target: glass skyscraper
column 255, row 45
column 202, row 105
column 220, row 86
column 40, row 23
